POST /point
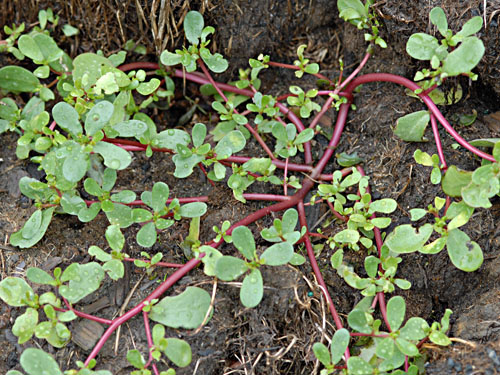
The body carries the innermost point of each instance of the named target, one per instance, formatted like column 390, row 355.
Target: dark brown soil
column 276, row 337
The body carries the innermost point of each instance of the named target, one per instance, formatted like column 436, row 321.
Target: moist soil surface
column 277, row 336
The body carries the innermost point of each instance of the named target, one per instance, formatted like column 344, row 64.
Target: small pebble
column 469, row 370
column 489, row 371
column 494, row 357
column 450, row 362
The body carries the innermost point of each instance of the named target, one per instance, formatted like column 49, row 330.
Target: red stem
column 295, row 67
column 150, row 342
column 85, row 316
column 171, row 280
column 437, row 139
column 387, row 77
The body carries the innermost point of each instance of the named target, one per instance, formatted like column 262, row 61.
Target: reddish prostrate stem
column 387, row 77
column 159, row 264
column 171, row 280
column 354, row 73
column 437, row 139
column 247, row 125
column 85, row 316
column 295, row 67
column 314, row 173
column 150, row 343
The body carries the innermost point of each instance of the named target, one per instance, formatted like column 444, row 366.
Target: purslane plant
column 87, row 138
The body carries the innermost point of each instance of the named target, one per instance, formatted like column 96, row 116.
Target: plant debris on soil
column 276, row 337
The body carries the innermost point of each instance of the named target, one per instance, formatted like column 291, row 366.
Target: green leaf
column 252, row 289
column 349, row 236
column 386, row 206
column 304, row 136
column 69, row 30
column 147, row 88
column 76, row 163
column 358, row 366
column 98, row 117
column 454, row 180
column 115, row 237
column 29, row 48
column 84, row 279
column 186, row 310
column 178, row 351
column 193, row 26
column 24, row 326
column 423, row 158
column 439, row 338
column 465, row 254
column 146, row 237
column 356, row 7
column 396, row 308
column 243, row 241
column 193, row 209
column 14, row 291
column 198, row 134
column 357, row 321
column 88, row 214
column 407, row 347
column 348, row 160
column 322, row 354
column 405, row 239
column 371, row 265
column 215, row 62
column 411, row 127
column 278, row 254
column 114, row 157
column 340, row 342
column 171, row 138
column 19, row 238
column 114, row 268
column 159, row 196
column 99, row 253
column 385, row 348
column 37, row 362
column 464, row 58
column 422, row 46
column 90, row 66
column 414, row 329
column 229, row 268
column 231, row 143
column 438, row 18
column 471, row 27
column 210, row 259
column 131, row 128
column 136, row 359
column 38, row 276
column 17, row 79
column 168, row 58
column 50, row 50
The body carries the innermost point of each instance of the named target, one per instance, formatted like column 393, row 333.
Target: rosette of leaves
column 466, row 54
column 358, row 14
column 256, row 169
column 196, row 33
column 288, row 141
column 303, row 63
column 381, row 273
column 228, row 268
column 387, row 350
column 283, row 230
column 303, row 101
column 465, row 254
column 156, row 200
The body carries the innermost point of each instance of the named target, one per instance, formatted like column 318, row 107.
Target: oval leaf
column 278, row 254
column 186, row 310
column 252, row 289
column 465, row 254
